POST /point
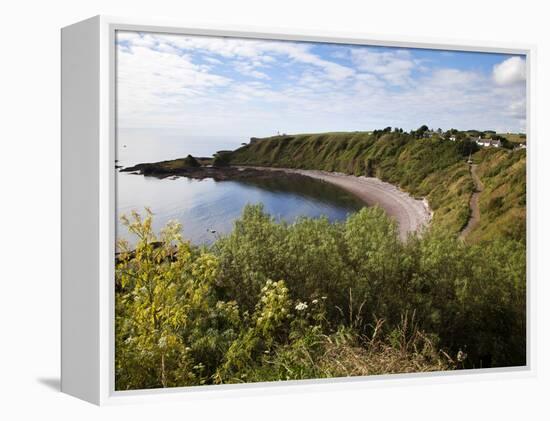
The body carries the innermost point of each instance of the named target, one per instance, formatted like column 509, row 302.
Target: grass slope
column 503, row 200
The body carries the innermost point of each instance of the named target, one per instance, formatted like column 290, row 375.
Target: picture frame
column 88, row 185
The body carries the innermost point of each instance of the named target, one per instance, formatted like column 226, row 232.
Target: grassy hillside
column 514, row 137
column 432, row 168
column 503, row 200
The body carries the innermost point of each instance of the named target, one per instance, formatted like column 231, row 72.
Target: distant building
column 489, row 143
column 496, row 143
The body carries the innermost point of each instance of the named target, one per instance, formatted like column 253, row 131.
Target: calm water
column 206, row 205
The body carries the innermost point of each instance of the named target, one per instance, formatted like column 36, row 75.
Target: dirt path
column 411, row 214
column 474, row 204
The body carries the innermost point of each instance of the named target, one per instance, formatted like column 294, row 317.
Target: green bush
column 313, row 299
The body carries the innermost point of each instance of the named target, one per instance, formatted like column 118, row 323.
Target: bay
column 206, row 208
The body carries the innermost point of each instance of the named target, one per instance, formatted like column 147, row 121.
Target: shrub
column 350, row 299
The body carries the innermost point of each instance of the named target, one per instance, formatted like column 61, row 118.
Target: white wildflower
column 301, row 306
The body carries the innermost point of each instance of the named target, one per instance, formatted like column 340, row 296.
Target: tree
column 190, row 161
column 419, row 133
column 466, row 146
column 221, row 159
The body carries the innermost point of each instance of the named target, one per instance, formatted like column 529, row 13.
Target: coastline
column 411, row 214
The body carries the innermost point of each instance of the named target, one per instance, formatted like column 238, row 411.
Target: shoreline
column 411, row 215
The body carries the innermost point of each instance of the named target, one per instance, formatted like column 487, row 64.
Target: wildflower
column 315, row 301
column 301, row 306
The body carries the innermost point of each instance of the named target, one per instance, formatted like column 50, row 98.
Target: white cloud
column 250, row 69
column 150, row 83
column 393, row 66
column 123, row 36
column 196, row 83
column 454, row 78
column 510, row 71
column 257, row 50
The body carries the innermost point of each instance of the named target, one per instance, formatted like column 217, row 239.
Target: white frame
column 88, row 126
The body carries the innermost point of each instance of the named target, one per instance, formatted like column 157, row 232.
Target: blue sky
column 245, row 87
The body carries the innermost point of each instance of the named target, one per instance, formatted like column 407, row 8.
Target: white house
column 489, row 143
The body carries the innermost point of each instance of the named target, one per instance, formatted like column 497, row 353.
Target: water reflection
column 203, row 206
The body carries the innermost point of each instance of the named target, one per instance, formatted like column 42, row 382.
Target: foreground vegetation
column 276, row 301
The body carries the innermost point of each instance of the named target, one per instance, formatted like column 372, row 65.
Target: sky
column 221, row 86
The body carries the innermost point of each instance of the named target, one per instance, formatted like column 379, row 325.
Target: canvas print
column 306, row 210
